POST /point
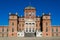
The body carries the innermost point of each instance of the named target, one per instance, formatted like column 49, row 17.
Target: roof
column 29, row 7
column 37, row 16
column 55, row 25
column 21, row 17
column 46, row 15
column 13, row 14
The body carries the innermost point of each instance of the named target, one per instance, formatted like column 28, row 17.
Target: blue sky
column 46, row 6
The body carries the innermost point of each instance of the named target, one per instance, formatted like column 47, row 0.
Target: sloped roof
column 29, row 7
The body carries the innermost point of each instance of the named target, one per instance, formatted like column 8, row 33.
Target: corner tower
column 13, row 25
column 46, row 24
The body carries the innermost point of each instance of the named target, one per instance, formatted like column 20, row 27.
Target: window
column 52, row 34
column 12, row 29
column 26, row 23
column 56, row 29
column 52, row 30
column 46, row 34
column 7, row 30
column 2, row 35
column 33, row 29
column 23, row 19
column 36, row 25
column 46, row 24
column 18, row 34
column 30, row 30
column 13, row 23
column 19, row 30
column 33, row 23
column 12, row 16
column 2, row 29
column 23, row 25
column 7, row 34
column 30, row 23
column 26, row 14
column 32, row 14
column 46, row 29
column 57, row 34
column 26, row 29
column 12, row 34
column 29, row 14
column 46, row 17
column 19, row 24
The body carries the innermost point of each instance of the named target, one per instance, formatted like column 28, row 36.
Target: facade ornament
column 43, row 13
column 16, row 13
column 9, row 13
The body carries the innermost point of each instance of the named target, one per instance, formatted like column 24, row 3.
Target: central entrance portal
column 30, row 34
column 30, row 28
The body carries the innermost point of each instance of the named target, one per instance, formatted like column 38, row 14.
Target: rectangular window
column 12, row 29
column 12, row 23
column 46, row 34
column 2, row 29
column 19, row 24
column 46, row 29
column 2, row 35
column 52, row 34
column 36, row 25
column 56, row 29
column 12, row 34
column 30, row 30
column 57, row 34
column 26, row 29
column 33, row 29
column 46, row 24
column 23, row 25
column 7, row 30
column 7, row 34
column 52, row 30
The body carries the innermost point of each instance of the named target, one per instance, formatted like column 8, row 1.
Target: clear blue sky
column 46, row 6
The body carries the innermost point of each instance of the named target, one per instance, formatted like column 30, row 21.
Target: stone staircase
column 29, row 38
column 29, row 34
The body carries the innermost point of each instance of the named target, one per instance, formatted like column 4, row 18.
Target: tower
column 12, row 25
column 30, row 24
column 46, row 25
column 30, row 12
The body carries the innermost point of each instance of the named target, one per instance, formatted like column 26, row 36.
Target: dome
column 29, row 7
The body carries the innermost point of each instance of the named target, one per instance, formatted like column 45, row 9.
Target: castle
column 29, row 25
